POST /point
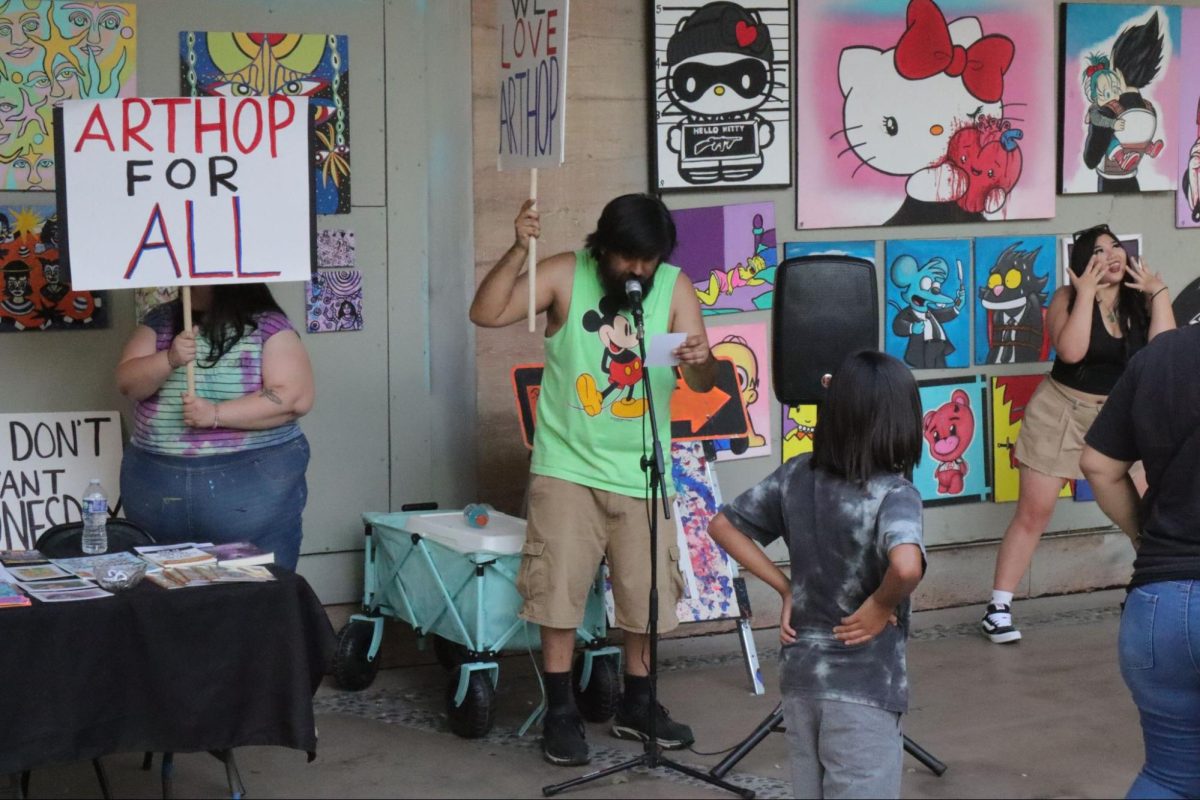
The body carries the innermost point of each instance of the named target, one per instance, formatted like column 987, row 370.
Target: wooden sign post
column 533, row 97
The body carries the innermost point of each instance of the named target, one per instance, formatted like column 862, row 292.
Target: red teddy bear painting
column 955, row 465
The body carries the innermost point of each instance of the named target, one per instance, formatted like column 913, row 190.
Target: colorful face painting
column 334, row 301
column 1120, row 98
column 954, row 465
column 708, row 571
column 1132, row 242
column 1014, row 279
column 924, row 112
column 799, row 424
column 50, row 52
column 721, row 93
column 746, row 347
column 310, row 65
column 928, row 316
column 335, row 248
column 1010, row 395
column 36, row 293
column 729, row 255
column 1187, row 132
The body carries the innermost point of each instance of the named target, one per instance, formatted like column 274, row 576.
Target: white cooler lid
column 503, row 535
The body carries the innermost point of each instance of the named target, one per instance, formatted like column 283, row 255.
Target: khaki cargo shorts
column 571, row 528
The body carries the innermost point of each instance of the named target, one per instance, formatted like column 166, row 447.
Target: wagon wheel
column 451, row 655
column 474, row 718
column 598, row 702
column 350, row 665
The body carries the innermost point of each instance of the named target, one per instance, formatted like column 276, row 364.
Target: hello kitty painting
column 924, row 112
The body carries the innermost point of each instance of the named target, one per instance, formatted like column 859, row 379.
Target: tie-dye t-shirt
column 838, row 535
column 158, row 420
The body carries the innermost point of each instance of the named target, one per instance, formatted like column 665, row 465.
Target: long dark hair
column 233, row 313
column 1132, row 315
column 870, row 421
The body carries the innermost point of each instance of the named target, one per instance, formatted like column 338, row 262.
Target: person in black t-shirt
column 1153, row 415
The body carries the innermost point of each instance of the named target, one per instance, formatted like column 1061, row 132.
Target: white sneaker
column 997, row 624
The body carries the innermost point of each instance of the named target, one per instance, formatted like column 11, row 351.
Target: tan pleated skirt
column 1056, row 420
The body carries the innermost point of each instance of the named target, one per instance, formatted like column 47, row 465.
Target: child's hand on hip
column 864, row 624
column 787, row 634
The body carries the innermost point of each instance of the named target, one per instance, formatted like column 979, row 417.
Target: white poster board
column 186, row 191
column 533, row 82
column 46, row 461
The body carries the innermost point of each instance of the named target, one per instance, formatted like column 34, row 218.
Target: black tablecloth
column 184, row 670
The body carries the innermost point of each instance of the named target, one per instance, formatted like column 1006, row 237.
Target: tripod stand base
column 650, row 761
column 774, row 724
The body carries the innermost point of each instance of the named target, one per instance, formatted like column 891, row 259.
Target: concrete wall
column 607, row 153
column 394, row 416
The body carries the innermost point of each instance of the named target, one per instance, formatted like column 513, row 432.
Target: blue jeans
column 1160, row 661
column 251, row 496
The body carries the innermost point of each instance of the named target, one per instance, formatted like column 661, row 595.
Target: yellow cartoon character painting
column 799, row 439
column 745, row 362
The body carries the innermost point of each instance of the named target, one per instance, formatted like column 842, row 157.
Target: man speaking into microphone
column 588, row 495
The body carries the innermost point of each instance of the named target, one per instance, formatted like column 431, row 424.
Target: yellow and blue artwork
column 1015, row 277
column 928, row 323
column 312, row 65
column 51, row 52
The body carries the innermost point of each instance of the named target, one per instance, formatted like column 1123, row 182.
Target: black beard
column 614, row 286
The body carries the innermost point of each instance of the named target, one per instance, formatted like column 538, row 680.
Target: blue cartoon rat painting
column 928, row 298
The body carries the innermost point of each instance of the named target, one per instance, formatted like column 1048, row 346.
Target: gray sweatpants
column 842, row 750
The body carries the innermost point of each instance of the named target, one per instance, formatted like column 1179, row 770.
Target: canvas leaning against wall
column 729, row 254
column 1120, row 97
column 924, row 112
column 55, row 52
column 303, row 65
column 1015, row 277
column 721, row 89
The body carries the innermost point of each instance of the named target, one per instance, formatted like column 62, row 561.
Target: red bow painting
column 925, row 49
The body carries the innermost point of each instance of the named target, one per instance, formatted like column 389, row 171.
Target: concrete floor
column 1048, row 717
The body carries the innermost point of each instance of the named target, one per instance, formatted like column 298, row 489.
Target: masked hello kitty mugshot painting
column 924, row 112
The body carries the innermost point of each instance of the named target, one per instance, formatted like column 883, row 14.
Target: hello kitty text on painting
column 924, row 112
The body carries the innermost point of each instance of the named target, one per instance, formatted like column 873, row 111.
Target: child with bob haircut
column 852, row 523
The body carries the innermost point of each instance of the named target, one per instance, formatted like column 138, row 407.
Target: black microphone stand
column 651, row 756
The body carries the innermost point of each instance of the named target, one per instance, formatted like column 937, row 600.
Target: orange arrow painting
column 697, row 408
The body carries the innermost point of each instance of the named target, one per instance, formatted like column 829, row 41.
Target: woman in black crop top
column 1113, row 306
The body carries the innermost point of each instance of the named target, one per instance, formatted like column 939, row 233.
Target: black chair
column 66, row 540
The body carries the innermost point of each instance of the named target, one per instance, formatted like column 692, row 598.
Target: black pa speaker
column 826, row 307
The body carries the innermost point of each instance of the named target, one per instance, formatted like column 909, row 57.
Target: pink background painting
column 1187, row 132
column 826, row 195
column 1153, row 174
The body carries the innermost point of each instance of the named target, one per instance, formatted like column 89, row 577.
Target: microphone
column 633, row 291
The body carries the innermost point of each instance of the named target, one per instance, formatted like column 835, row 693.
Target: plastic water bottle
column 476, row 514
column 95, row 519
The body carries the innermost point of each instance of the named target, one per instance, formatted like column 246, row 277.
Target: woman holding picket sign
column 228, row 462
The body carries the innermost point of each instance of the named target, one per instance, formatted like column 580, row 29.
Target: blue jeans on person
column 1159, row 648
column 253, row 496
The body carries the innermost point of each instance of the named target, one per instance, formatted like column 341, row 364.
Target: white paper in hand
column 662, row 348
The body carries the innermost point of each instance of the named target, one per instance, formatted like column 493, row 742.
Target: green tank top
column 592, row 427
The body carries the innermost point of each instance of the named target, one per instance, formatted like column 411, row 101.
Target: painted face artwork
column 313, row 66
column 50, row 53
